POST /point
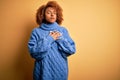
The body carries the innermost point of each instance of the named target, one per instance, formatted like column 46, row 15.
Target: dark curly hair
column 40, row 15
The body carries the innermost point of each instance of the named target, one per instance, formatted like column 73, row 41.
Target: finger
column 54, row 33
column 51, row 33
column 57, row 32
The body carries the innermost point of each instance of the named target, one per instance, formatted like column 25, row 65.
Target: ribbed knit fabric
column 50, row 55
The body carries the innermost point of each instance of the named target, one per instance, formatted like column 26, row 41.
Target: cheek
column 47, row 16
column 55, row 16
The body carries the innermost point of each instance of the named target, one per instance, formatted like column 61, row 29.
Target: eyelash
column 50, row 12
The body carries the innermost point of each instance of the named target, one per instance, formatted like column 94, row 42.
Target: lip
column 52, row 18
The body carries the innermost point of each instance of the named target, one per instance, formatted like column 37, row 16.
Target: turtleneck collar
column 49, row 27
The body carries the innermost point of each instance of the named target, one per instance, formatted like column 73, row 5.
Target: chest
column 43, row 33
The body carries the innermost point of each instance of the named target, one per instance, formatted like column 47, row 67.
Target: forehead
column 50, row 9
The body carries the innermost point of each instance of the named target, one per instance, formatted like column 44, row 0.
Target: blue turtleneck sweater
column 50, row 55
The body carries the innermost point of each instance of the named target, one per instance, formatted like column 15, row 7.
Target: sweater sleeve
column 66, row 44
column 38, row 47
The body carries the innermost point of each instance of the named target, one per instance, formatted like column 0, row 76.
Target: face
column 50, row 15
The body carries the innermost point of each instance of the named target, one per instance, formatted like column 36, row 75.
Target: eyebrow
column 52, row 10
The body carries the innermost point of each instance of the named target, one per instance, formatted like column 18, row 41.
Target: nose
column 52, row 14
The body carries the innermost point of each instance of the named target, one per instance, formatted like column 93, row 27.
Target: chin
column 51, row 21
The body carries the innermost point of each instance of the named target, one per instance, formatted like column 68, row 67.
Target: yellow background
column 93, row 24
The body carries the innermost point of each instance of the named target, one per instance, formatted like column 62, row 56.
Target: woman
column 50, row 44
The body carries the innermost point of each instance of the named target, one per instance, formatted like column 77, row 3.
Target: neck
column 48, row 23
column 49, row 26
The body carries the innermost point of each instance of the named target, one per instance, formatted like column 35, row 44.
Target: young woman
column 50, row 44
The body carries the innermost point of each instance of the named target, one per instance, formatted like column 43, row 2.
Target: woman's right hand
column 55, row 34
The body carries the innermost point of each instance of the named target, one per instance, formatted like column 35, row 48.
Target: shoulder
column 36, row 33
column 64, row 29
column 36, row 30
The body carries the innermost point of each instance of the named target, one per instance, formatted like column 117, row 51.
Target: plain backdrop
column 94, row 25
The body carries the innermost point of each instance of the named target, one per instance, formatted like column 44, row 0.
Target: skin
column 50, row 17
column 55, row 35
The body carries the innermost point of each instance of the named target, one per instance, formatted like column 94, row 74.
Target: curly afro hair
column 40, row 15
